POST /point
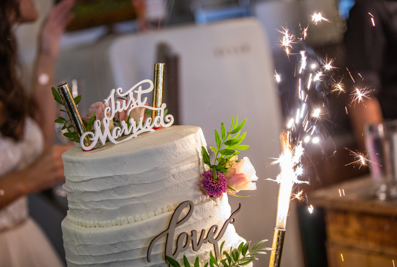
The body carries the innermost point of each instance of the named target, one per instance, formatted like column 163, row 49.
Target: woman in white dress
column 28, row 160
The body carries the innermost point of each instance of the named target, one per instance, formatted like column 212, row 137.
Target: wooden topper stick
column 158, row 87
column 73, row 112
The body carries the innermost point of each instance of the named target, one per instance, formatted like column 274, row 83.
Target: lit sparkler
column 317, row 17
column 291, row 169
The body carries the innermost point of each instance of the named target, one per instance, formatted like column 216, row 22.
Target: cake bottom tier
column 127, row 245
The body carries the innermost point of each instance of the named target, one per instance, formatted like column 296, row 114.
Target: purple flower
column 214, row 187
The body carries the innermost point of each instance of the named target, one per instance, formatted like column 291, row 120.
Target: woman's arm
column 43, row 173
column 44, row 76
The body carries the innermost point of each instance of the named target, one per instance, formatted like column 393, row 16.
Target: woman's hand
column 46, row 171
column 54, row 26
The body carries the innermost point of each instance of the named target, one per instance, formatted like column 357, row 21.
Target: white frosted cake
column 122, row 196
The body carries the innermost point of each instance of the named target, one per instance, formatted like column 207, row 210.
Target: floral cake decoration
column 227, row 173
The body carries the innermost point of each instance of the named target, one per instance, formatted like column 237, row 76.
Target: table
column 361, row 230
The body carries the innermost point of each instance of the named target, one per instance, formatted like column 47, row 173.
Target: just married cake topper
column 114, row 118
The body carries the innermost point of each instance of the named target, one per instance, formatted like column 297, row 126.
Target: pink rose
column 97, row 109
column 136, row 113
column 241, row 176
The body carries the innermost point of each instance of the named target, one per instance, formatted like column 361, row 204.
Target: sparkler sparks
column 317, row 17
column 372, row 19
column 328, row 64
column 317, row 77
column 278, row 77
column 291, row 169
column 304, row 33
column 290, row 123
column 360, row 159
column 360, row 94
column 310, row 208
column 338, row 87
column 316, row 140
column 299, row 196
column 316, row 113
column 287, row 40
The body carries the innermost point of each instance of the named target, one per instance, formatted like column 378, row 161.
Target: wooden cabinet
column 361, row 230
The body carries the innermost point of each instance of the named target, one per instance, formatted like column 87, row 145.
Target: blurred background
column 221, row 57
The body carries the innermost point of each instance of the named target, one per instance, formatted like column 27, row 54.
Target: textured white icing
column 121, row 196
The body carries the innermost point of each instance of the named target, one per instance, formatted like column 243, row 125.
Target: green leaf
column 231, row 125
column 186, row 262
column 246, row 260
column 91, row 122
column 197, row 262
column 206, row 265
column 229, row 259
column 213, row 260
column 221, row 248
column 70, row 135
column 235, row 255
column 172, row 262
column 206, row 157
column 214, row 174
column 226, row 152
column 223, row 131
column 77, row 99
column 63, row 127
column 240, row 247
column 235, row 122
column 214, row 149
column 242, row 147
column 238, row 128
column 57, row 96
column 218, row 139
column 232, row 142
column 233, row 194
column 59, row 120
column 224, row 263
column 245, row 248
column 64, row 110
column 255, row 247
column 242, row 137
column 148, row 113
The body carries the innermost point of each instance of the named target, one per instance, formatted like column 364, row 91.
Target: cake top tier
column 145, row 141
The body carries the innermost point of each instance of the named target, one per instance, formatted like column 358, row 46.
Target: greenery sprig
column 240, row 256
column 228, row 145
column 67, row 124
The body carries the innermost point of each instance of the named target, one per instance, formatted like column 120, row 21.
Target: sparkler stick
column 158, row 87
column 73, row 112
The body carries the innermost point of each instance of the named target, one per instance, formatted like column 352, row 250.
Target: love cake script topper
column 184, row 239
column 131, row 99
